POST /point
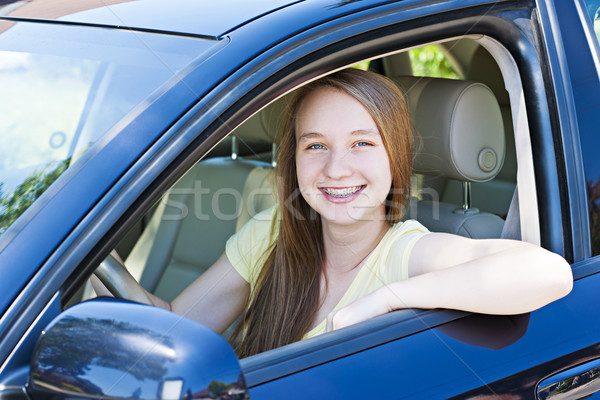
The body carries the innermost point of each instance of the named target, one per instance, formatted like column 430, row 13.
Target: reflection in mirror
column 108, row 348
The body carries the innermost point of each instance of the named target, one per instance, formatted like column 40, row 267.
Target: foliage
column 216, row 388
column 12, row 205
column 363, row 65
column 425, row 61
column 78, row 344
column 431, row 61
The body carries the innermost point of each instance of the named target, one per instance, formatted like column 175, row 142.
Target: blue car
column 137, row 136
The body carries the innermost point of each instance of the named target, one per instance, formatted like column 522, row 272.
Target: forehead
column 327, row 109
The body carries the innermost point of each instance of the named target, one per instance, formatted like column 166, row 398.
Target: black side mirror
column 107, row 348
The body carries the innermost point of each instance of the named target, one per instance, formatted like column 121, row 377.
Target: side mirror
column 108, row 348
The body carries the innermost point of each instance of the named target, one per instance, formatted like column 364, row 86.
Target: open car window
column 185, row 233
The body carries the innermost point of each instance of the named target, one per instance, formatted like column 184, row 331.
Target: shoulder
column 262, row 222
column 407, row 227
column 406, row 231
column 246, row 248
column 396, row 247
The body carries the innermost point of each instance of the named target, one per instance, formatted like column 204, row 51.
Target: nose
column 338, row 165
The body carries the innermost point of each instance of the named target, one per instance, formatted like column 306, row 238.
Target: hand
column 369, row 306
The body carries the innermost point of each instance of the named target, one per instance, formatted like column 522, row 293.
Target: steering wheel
column 120, row 283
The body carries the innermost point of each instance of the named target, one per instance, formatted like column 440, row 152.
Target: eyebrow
column 368, row 132
column 358, row 132
column 309, row 135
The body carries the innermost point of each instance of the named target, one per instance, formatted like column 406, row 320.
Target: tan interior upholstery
column 495, row 195
column 460, row 127
column 462, row 138
column 188, row 230
column 258, row 194
column 397, row 64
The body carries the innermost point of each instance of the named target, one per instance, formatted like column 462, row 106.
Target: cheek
column 388, row 173
column 304, row 172
column 380, row 163
column 383, row 177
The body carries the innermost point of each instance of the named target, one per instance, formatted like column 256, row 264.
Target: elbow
column 549, row 278
column 559, row 277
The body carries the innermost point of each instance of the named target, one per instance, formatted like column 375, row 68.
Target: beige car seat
column 493, row 195
column 190, row 226
column 462, row 138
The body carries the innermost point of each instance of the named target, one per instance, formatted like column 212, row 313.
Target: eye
column 315, row 146
column 363, row 144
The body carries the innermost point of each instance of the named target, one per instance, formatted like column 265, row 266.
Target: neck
column 346, row 247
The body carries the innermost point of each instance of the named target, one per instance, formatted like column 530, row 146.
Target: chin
column 346, row 214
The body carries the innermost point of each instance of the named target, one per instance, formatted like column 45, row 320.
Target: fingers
column 341, row 318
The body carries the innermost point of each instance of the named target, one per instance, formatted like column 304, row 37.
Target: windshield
column 63, row 87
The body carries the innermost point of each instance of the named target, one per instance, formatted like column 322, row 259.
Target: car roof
column 187, row 17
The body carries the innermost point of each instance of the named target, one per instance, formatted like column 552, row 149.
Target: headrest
column 397, row 64
column 483, row 68
column 460, row 126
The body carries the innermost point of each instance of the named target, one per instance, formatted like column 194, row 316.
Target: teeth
column 345, row 192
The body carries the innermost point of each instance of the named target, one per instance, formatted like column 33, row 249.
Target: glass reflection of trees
column 12, row 205
column 103, row 357
column 76, row 345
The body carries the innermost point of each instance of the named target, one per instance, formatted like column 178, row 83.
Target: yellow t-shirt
column 387, row 263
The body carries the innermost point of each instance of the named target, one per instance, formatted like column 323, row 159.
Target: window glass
column 590, row 144
column 63, row 88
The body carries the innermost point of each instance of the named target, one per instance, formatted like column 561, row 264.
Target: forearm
column 101, row 290
column 494, row 284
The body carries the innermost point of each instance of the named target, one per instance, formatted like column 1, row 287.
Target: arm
column 493, row 276
column 215, row 299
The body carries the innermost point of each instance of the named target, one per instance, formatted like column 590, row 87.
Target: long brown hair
column 285, row 301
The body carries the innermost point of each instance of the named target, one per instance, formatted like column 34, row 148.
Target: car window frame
column 557, row 35
column 552, row 30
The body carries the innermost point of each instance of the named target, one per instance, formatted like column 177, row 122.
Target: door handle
column 579, row 382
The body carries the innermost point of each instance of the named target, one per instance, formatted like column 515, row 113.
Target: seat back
column 189, row 228
column 460, row 137
column 494, row 195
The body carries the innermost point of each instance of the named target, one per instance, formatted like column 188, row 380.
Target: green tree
column 75, row 345
column 431, row 61
column 215, row 388
column 12, row 205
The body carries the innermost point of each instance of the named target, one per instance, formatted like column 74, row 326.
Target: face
column 342, row 165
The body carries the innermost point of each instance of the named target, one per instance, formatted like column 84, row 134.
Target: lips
column 342, row 192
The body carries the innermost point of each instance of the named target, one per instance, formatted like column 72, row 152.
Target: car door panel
column 432, row 364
